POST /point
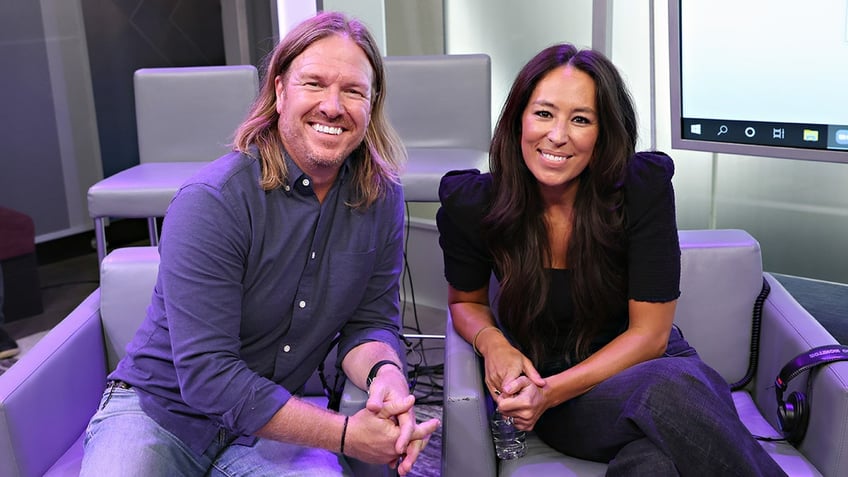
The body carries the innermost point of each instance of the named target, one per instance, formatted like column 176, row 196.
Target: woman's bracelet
column 344, row 432
column 477, row 335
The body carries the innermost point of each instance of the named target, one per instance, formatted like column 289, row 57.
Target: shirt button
column 287, row 188
column 286, row 348
column 312, row 256
column 305, row 182
column 302, row 304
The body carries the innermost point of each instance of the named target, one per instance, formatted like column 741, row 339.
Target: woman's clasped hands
column 516, row 387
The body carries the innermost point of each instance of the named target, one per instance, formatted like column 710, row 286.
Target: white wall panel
column 512, row 32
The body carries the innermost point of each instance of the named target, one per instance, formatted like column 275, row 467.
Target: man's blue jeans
column 122, row 440
column 668, row 416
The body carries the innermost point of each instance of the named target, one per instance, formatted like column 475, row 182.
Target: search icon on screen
column 722, row 130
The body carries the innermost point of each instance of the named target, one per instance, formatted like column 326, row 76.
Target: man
column 266, row 255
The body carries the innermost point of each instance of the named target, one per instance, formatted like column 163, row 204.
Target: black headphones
column 793, row 414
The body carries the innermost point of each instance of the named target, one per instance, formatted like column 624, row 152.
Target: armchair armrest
column 47, row 398
column 465, row 416
column 787, row 331
column 353, row 399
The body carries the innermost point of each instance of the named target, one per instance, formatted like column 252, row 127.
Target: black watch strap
column 373, row 373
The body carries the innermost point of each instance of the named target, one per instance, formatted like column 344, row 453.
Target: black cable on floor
column 426, row 380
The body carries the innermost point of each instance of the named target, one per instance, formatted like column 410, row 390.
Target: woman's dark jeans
column 668, row 416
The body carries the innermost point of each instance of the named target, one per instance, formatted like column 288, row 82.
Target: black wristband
column 344, row 432
column 373, row 373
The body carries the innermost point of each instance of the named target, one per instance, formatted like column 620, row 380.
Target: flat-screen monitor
column 760, row 77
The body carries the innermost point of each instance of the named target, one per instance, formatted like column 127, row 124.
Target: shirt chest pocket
column 350, row 275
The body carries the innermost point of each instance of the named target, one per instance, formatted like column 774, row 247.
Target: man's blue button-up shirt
column 253, row 286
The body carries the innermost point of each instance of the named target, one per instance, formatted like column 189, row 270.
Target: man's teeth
column 327, row 129
column 551, row 157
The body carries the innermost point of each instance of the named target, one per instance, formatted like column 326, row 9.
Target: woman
column 580, row 232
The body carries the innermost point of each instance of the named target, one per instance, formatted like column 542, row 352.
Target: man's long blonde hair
column 376, row 162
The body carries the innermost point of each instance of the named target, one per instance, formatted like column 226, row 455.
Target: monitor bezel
column 679, row 142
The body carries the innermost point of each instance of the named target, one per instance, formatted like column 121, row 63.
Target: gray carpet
column 430, row 461
column 826, row 301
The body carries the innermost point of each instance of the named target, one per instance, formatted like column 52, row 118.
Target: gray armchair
column 185, row 118
column 721, row 280
column 48, row 397
column 440, row 106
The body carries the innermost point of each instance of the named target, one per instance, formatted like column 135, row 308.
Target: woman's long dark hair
column 515, row 228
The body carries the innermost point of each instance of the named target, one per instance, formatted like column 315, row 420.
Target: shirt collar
column 298, row 180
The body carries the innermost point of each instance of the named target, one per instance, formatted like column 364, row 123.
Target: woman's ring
column 497, row 393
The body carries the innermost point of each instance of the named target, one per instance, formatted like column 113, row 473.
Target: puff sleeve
column 653, row 248
column 465, row 197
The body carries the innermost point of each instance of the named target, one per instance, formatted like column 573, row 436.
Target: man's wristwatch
column 373, row 373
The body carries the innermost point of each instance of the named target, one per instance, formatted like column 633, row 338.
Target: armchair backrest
column 721, row 277
column 440, row 106
column 127, row 278
column 440, row 101
column 189, row 114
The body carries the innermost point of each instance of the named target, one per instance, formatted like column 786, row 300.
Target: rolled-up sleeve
column 376, row 316
column 201, row 273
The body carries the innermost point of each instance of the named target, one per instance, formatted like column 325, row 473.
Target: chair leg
column 153, row 231
column 100, row 238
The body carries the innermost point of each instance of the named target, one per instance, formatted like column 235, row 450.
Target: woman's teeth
column 553, row 158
